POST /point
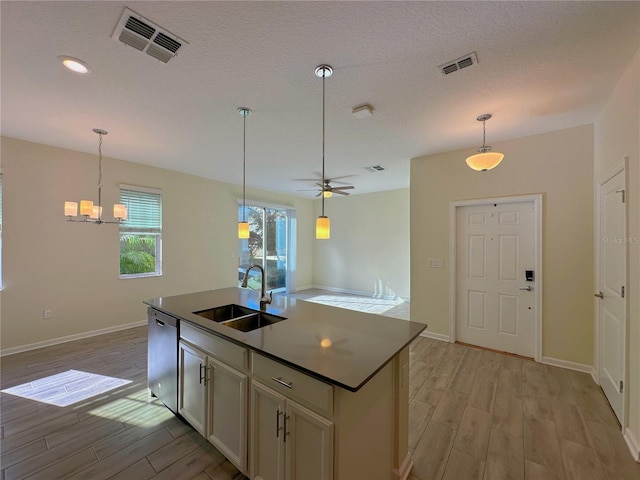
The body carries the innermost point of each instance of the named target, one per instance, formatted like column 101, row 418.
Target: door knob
column 599, row 295
column 528, row 288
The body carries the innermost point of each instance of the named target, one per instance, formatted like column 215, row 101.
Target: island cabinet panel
column 308, row 391
column 288, row 441
column 213, row 396
column 192, row 391
column 309, row 444
column 228, row 412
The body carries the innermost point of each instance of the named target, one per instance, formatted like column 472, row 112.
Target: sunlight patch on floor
column 361, row 304
column 66, row 388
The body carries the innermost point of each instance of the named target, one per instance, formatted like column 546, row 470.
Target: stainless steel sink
column 239, row 317
column 253, row 322
column 225, row 312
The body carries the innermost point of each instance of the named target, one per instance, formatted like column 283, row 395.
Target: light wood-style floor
column 474, row 414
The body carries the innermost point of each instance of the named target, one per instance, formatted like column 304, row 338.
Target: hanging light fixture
column 323, row 224
column 243, row 226
column 88, row 211
column 485, row 159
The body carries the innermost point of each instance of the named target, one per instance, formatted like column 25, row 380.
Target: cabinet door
column 228, row 412
column 267, row 429
column 192, row 398
column 309, row 444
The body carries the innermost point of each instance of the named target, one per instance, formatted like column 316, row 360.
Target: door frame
column 536, row 199
column 620, row 167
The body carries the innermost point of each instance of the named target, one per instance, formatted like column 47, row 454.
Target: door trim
column 622, row 166
column 536, row 199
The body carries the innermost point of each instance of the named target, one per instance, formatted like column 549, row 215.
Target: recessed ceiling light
column 74, row 64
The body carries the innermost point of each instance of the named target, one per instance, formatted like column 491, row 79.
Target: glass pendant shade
column 86, row 207
column 327, row 194
column 96, row 212
column 243, row 229
column 323, row 228
column 71, row 209
column 484, row 161
column 120, row 211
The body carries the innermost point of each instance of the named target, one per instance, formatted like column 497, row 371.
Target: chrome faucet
column 264, row 300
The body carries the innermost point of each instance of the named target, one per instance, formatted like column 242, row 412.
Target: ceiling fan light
column 323, row 228
column 484, row 161
column 243, row 229
column 327, row 193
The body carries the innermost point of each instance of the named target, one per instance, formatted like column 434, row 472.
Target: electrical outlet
column 435, row 263
column 47, row 314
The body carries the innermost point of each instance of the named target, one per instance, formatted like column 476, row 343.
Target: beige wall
column 617, row 135
column 73, row 268
column 368, row 250
column 556, row 164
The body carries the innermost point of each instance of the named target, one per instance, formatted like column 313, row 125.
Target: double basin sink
column 239, row 317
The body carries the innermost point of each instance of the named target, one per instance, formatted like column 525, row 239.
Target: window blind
column 144, row 211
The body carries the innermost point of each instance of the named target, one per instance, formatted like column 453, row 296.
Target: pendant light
column 323, row 224
column 485, row 159
column 243, row 226
column 89, row 212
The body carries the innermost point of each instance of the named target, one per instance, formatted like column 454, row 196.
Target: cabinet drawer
column 308, row 391
column 230, row 353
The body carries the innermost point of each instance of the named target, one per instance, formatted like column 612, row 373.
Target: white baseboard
column 435, row 336
column 69, row 338
column 403, row 472
column 579, row 367
column 633, row 444
column 594, row 376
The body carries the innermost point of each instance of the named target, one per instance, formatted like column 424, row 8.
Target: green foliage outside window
column 137, row 254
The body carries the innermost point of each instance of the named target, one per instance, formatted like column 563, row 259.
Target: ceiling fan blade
column 319, row 194
column 348, row 187
column 308, row 190
column 340, row 193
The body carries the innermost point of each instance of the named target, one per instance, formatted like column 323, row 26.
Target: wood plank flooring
column 473, row 414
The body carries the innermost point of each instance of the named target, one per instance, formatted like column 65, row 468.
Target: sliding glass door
column 267, row 246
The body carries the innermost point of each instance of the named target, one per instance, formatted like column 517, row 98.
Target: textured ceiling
column 542, row 66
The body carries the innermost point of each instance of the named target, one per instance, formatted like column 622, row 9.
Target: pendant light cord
column 99, row 173
column 484, row 133
column 244, row 166
column 324, row 74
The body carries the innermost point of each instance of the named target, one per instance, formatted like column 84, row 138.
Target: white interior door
column 612, row 263
column 495, row 304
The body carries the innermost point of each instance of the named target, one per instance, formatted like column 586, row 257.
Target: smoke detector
column 458, row 64
column 374, row 168
column 143, row 35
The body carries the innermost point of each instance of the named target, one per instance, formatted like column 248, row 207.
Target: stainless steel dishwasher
column 162, row 357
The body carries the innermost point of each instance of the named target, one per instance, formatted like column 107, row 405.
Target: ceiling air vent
column 458, row 64
column 143, row 35
column 374, row 168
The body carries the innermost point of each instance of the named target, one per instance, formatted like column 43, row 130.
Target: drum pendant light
column 243, row 226
column 323, row 224
column 485, row 159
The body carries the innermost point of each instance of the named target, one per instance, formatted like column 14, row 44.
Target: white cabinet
column 212, row 394
column 228, row 412
column 288, row 441
column 192, row 391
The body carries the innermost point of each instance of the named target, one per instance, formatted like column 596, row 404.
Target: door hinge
column 622, row 291
column 624, row 195
column 621, row 386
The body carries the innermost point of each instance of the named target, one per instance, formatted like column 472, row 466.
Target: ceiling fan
column 328, row 190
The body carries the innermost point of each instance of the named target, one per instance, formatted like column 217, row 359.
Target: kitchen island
column 322, row 393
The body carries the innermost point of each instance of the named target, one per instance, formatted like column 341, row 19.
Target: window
column 270, row 245
column 141, row 232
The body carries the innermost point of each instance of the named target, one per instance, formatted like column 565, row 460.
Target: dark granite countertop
column 361, row 343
